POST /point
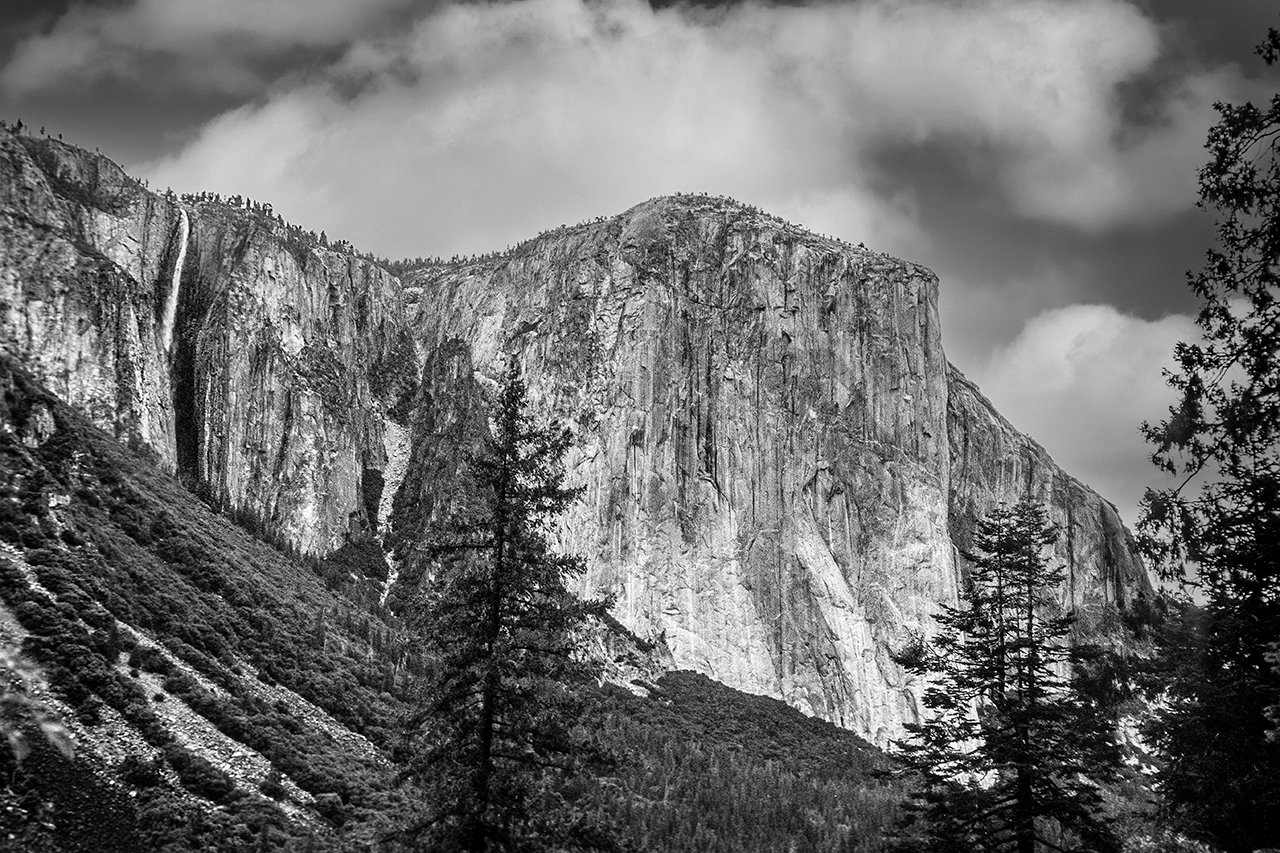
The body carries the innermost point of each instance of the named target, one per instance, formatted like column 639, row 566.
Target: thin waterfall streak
column 171, row 305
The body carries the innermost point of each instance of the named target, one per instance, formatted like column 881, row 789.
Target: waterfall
column 171, row 304
column 396, row 444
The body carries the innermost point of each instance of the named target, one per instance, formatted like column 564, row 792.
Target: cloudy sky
column 1039, row 155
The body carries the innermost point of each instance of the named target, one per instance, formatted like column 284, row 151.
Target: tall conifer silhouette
column 495, row 736
column 1011, row 751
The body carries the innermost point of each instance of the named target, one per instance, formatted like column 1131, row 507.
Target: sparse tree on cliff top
column 1011, row 751
column 495, row 736
column 1222, row 522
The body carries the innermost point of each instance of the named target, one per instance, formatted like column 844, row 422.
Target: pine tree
column 1012, row 750
column 1220, row 527
column 494, row 742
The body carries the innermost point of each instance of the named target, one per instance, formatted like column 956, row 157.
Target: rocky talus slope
column 782, row 471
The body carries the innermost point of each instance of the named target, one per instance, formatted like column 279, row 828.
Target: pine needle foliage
column 495, row 741
column 1219, row 527
column 1011, row 752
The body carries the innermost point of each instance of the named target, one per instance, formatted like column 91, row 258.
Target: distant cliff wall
column 263, row 381
column 991, row 461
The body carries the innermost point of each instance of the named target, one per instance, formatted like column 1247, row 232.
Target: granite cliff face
column 780, row 464
column 258, row 367
column 782, row 471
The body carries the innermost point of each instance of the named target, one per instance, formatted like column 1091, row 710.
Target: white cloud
column 489, row 123
column 1080, row 379
column 486, row 122
column 1109, row 177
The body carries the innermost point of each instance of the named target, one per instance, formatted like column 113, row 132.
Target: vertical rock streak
column 396, row 447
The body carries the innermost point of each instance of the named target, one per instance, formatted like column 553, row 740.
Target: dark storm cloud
column 20, row 19
column 140, row 77
column 233, row 46
column 975, row 235
column 1215, row 32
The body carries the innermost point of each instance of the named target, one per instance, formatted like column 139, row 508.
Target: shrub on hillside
column 198, row 775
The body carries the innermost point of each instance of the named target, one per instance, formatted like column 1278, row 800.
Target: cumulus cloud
column 1080, row 380
column 485, row 122
column 219, row 45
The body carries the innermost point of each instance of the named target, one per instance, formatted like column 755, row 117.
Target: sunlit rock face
column 258, row 367
column 782, row 473
column 83, row 251
column 779, row 462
